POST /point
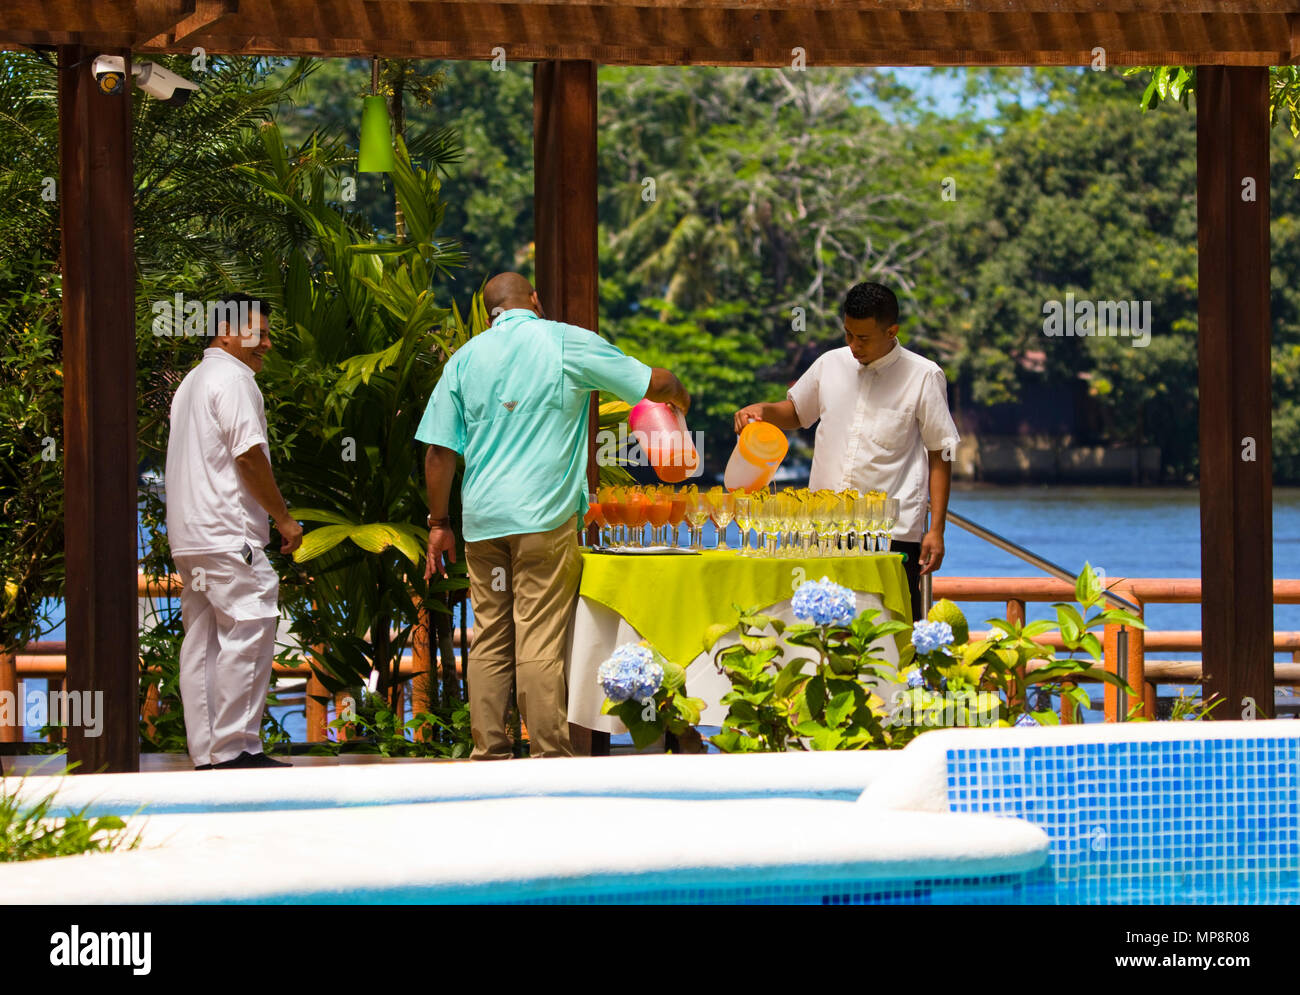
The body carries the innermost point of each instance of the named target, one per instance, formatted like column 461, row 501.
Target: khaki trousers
column 523, row 589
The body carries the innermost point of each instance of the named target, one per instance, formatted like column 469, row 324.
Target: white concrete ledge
column 834, row 775
column 919, row 780
column 512, row 849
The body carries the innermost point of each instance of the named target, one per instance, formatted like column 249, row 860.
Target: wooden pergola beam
column 714, row 32
column 1236, row 464
column 99, row 411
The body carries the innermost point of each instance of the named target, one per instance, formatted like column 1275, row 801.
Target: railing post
column 1114, row 707
column 11, row 733
column 421, row 679
column 1137, row 661
column 149, row 713
column 317, row 711
column 1016, row 684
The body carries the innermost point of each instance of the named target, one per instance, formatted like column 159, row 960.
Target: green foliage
column 361, row 343
column 776, row 705
column 29, row 832
column 375, row 728
column 999, row 665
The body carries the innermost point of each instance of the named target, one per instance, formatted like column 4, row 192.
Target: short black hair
column 872, row 300
column 241, row 302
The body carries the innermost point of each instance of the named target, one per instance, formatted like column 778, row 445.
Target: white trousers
column 229, row 609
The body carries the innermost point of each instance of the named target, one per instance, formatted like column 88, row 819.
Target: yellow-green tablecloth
column 671, row 600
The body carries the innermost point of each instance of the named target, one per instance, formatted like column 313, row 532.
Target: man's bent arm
column 666, row 388
column 782, row 414
column 255, row 472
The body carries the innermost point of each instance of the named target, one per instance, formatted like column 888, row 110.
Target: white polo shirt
column 877, row 423
column 216, row 415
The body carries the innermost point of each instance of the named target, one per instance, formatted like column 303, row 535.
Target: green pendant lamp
column 376, row 152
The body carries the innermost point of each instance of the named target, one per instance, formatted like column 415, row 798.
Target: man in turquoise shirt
column 514, row 402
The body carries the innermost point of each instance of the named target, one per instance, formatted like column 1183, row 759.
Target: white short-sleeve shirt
column 878, row 422
column 216, row 415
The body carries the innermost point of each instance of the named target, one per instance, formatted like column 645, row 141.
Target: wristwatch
column 445, row 521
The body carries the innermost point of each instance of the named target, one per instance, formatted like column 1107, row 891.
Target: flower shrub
column 647, row 693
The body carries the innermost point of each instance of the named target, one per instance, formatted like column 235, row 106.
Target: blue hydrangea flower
column 632, row 672
column 824, row 602
column 1026, row 720
column 916, row 679
column 930, row 636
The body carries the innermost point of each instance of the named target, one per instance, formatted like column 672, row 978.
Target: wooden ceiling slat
column 971, row 32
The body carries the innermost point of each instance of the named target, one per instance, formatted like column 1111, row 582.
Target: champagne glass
column 785, row 511
column 676, row 514
column 758, row 502
column 876, row 510
column 843, row 520
column 888, row 519
column 606, row 497
column 862, row 521
column 594, row 516
column 637, row 512
column 697, row 513
column 613, row 507
column 658, row 510
column 819, row 510
column 744, row 506
column 722, row 510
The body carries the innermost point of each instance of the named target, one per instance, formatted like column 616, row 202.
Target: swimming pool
column 1136, row 813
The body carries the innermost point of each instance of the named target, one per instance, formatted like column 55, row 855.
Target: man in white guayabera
column 885, row 425
column 220, row 490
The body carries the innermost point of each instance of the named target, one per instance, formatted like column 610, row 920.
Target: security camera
column 110, row 73
column 153, row 79
column 162, row 83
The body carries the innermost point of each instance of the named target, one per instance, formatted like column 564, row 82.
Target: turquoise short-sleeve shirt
column 513, row 402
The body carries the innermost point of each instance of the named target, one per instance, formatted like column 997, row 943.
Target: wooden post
column 564, row 211
column 1137, row 663
column 1015, row 686
column 421, row 679
column 1114, row 701
column 316, row 707
column 99, row 416
column 1232, row 196
column 11, row 732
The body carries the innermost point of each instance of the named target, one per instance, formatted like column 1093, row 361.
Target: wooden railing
column 47, row 659
column 1143, row 675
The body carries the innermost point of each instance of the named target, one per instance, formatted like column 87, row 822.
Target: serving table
column 671, row 600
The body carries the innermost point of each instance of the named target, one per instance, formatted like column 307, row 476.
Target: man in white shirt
column 220, row 490
column 885, row 425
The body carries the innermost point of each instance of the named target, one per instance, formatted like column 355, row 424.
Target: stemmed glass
column 638, row 510
column 659, row 508
column 743, row 513
column 821, row 509
column 721, row 510
column 843, row 516
column 888, row 518
column 697, row 513
column 786, row 508
column 862, row 521
column 594, row 516
column 676, row 514
column 803, row 520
